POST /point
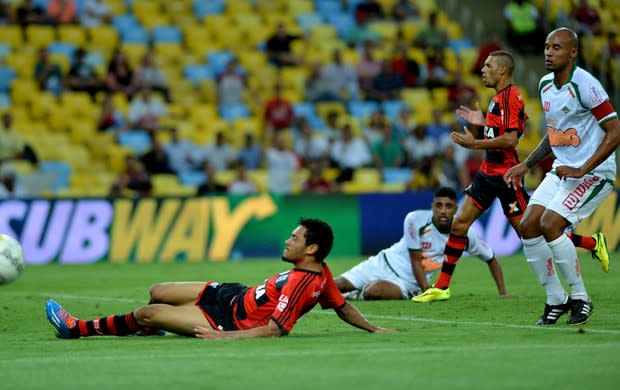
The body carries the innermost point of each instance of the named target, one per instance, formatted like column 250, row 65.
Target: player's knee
column 529, row 228
column 381, row 290
column 459, row 227
column 145, row 315
column 156, row 292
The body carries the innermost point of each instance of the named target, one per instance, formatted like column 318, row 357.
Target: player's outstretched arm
column 418, row 270
column 269, row 330
column 496, row 272
column 349, row 314
column 514, row 176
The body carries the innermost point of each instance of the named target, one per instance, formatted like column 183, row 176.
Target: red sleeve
column 331, row 297
column 294, row 297
column 514, row 108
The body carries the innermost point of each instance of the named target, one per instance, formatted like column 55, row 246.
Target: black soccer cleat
column 554, row 312
column 580, row 311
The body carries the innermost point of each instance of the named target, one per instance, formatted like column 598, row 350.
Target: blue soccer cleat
column 62, row 321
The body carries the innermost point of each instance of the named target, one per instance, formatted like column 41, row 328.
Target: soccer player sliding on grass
column 213, row 310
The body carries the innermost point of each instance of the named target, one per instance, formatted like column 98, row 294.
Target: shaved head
column 567, row 35
column 503, row 58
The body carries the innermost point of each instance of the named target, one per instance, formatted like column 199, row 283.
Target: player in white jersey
column 405, row 269
column 583, row 132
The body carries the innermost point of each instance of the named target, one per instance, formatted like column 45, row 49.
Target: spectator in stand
column 95, row 13
column 281, row 163
column 210, row 186
column 388, row 151
column 387, row 85
column 404, row 123
column 61, row 11
column 11, row 143
column 48, row 73
column 425, row 176
column 332, row 128
column 310, row 146
column 613, row 46
column 251, row 153
column 368, row 67
column 29, row 13
column 368, row 11
column 278, row 114
column 145, row 111
column 82, row 76
column 449, row 169
column 372, row 130
column 219, row 153
column 135, row 180
column 10, row 187
column 317, row 88
column 6, row 13
column 406, row 67
column 349, row 153
column 404, row 10
column 460, row 94
column 491, row 45
column 120, row 76
column 360, row 33
column 419, row 146
column 438, row 129
column 433, row 36
column 242, row 184
column 180, row 152
column 341, row 77
column 472, row 166
column 110, row 118
column 150, row 75
column 523, row 26
column 279, row 47
column 155, row 161
column 588, row 18
column 437, row 73
column 316, row 182
column 230, row 85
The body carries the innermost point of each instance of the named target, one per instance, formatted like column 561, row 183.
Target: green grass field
column 473, row 341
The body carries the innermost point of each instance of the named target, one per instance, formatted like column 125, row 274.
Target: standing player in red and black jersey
column 215, row 310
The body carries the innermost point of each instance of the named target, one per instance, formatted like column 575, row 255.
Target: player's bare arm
column 418, row 269
column 467, row 140
column 608, row 145
column 349, row 314
column 269, row 330
column 514, row 176
column 496, row 272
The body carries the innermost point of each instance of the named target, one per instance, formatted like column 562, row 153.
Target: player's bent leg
column 529, row 226
column 382, row 290
column 466, row 215
column 175, row 319
column 344, row 285
column 176, row 293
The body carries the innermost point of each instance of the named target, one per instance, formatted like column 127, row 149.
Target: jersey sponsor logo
column 412, row 231
column 282, row 303
column 426, row 245
column 596, row 97
column 489, row 132
column 281, row 280
column 547, row 105
column 513, row 208
column 573, row 199
column 559, row 137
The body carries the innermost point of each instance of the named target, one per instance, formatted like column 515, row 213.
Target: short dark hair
column 446, row 192
column 504, row 58
column 320, row 233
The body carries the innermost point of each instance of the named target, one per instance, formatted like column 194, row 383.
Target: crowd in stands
column 214, row 96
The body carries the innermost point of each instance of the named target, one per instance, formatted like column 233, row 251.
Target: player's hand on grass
column 475, row 116
column 206, row 333
column 564, row 171
column 514, row 176
column 383, row 330
column 465, row 139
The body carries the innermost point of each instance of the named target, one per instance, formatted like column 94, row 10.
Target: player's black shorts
column 485, row 189
column 216, row 302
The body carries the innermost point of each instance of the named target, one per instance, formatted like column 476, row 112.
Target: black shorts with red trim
column 485, row 189
column 216, row 301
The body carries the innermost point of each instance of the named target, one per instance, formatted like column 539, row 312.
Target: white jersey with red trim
column 574, row 113
column 419, row 233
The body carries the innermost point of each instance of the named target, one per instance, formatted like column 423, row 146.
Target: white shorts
column 574, row 199
column 376, row 268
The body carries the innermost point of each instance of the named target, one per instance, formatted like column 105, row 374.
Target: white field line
column 377, row 316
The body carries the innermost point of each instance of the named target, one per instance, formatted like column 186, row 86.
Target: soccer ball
column 11, row 259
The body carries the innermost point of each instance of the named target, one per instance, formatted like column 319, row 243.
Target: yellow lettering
column 227, row 225
column 144, row 229
column 606, row 218
column 189, row 233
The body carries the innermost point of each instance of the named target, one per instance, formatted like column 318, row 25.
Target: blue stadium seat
column 192, row 178
column 396, row 175
column 5, row 100
column 342, row 22
column 137, row 140
column 207, row 7
column 60, row 169
column 328, row 7
column 7, row 75
column 4, row 50
column 392, row 108
column 234, row 111
column 217, row 60
column 362, row 109
column 122, row 22
column 458, row 44
column 306, row 21
column 40, row 3
column 167, row 34
column 197, row 73
column 134, row 34
column 307, row 110
column 63, row 48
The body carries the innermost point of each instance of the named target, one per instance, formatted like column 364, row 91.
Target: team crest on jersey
column 565, row 110
column 513, row 207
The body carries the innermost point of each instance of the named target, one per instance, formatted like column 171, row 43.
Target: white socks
column 540, row 259
column 565, row 256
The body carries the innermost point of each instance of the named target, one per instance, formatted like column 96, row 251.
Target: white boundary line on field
column 377, row 316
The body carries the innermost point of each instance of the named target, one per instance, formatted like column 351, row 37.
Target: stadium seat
column 203, row 8
column 60, row 169
column 232, row 112
column 396, row 175
column 11, row 35
column 361, row 110
column 197, row 73
column 7, row 76
column 5, row 101
column 103, row 36
column 167, row 34
column 136, row 140
column 307, row 21
column 392, row 108
column 39, row 35
column 62, row 48
column 73, row 34
column 134, row 34
column 217, row 60
column 192, row 178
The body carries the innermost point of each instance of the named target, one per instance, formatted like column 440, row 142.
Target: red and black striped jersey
column 506, row 113
column 285, row 297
